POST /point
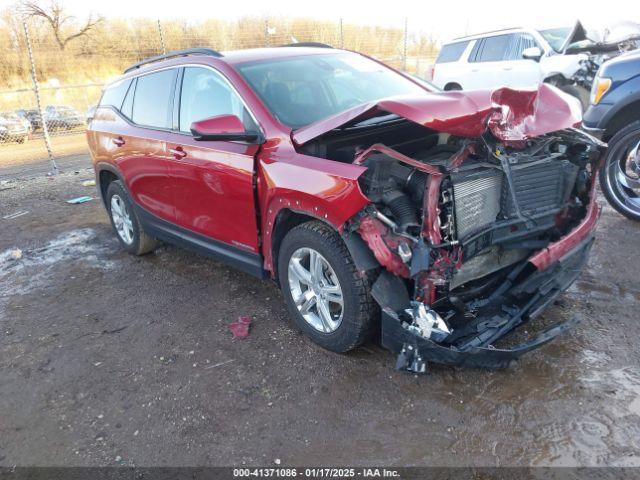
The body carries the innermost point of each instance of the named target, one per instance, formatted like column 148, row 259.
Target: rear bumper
column 557, row 267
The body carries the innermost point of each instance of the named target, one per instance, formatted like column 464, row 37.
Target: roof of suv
column 486, row 34
column 231, row 57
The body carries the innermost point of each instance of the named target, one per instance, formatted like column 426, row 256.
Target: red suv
column 441, row 220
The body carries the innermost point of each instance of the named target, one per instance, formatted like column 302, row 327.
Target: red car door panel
column 213, row 188
column 140, row 158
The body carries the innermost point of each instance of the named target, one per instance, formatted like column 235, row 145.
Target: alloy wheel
column 315, row 290
column 122, row 219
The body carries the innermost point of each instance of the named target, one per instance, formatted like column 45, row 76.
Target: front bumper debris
column 538, row 290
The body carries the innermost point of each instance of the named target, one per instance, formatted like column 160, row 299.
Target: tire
column 359, row 310
column 625, row 200
column 135, row 241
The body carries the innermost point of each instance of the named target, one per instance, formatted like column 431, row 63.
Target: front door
column 213, row 180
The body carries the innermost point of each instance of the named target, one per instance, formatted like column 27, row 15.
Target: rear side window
column 115, row 93
column 152, row 101
column 451, row 52
column 494, row 49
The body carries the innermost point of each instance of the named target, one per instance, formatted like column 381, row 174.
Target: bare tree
column 60, row 21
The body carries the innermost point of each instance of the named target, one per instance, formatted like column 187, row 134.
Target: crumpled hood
column 511, row 115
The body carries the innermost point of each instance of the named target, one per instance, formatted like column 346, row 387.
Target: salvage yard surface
column 110, row 359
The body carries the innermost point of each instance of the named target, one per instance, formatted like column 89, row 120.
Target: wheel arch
column 620, row 118
column 452, row 86
column 105, row 174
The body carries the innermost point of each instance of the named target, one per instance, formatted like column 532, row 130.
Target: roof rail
column 487, row 33
column 308, row 44
column 177, row 53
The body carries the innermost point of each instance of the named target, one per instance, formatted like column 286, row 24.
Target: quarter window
column 114, row 94
column 451, row 52
column 206, row 94
column 152, row 102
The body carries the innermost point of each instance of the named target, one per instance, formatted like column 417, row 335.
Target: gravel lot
column 110, row 359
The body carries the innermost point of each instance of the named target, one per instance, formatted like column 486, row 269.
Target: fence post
column 406, row 40
column 341, row 34
column 36, row 91
column 161, row 33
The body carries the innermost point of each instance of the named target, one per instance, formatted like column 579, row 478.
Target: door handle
column 118, row 142
column 507, row 68
column 178, row 153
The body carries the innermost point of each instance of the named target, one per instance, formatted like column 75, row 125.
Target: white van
column 515, row 57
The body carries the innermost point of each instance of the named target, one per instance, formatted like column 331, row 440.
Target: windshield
column 556, row 36
column 302, row 90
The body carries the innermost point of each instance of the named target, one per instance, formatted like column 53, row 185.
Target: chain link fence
column 48, row 89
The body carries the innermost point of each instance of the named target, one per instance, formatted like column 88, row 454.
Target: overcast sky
column 444, row 19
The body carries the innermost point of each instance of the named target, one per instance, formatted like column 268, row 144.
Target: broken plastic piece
column 427, row 323
column 89, row 183
column 240, row 328
column 80, row 200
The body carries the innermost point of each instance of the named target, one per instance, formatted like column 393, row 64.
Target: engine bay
column 453, row 222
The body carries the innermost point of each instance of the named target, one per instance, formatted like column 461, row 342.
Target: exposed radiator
column 477, row 202
column 539, row 187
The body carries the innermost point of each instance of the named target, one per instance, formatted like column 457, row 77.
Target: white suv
column 517, row 57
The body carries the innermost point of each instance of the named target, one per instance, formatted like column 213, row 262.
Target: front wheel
column 620, row 174
column 326, row 297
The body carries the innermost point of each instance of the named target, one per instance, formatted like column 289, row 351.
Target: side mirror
column 227, row 128
column 532, row 53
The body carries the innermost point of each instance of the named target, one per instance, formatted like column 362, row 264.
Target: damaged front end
column 469, row 236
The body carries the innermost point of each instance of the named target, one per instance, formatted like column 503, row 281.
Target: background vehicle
column 12, row 130
column 521, row 57
column 62, row 118
column 614, row 115
column 373, row 202
column 32, row 116
column 15, row 117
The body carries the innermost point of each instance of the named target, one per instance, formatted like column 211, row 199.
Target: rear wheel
column 620, row 174
column 125, row 222
column 326, row 297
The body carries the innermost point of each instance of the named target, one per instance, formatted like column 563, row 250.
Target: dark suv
column 442, row 219
column 614, row 115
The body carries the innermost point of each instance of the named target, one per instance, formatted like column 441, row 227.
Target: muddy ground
column 110, row 359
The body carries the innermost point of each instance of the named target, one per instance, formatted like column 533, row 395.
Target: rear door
column 142, row 153
column 212, row 180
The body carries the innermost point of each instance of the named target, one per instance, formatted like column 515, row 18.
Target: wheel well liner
column 105, row 177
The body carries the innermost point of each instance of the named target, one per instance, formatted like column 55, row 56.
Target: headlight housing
column 600, row 86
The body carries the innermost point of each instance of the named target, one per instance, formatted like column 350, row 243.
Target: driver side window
column 205, row 94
